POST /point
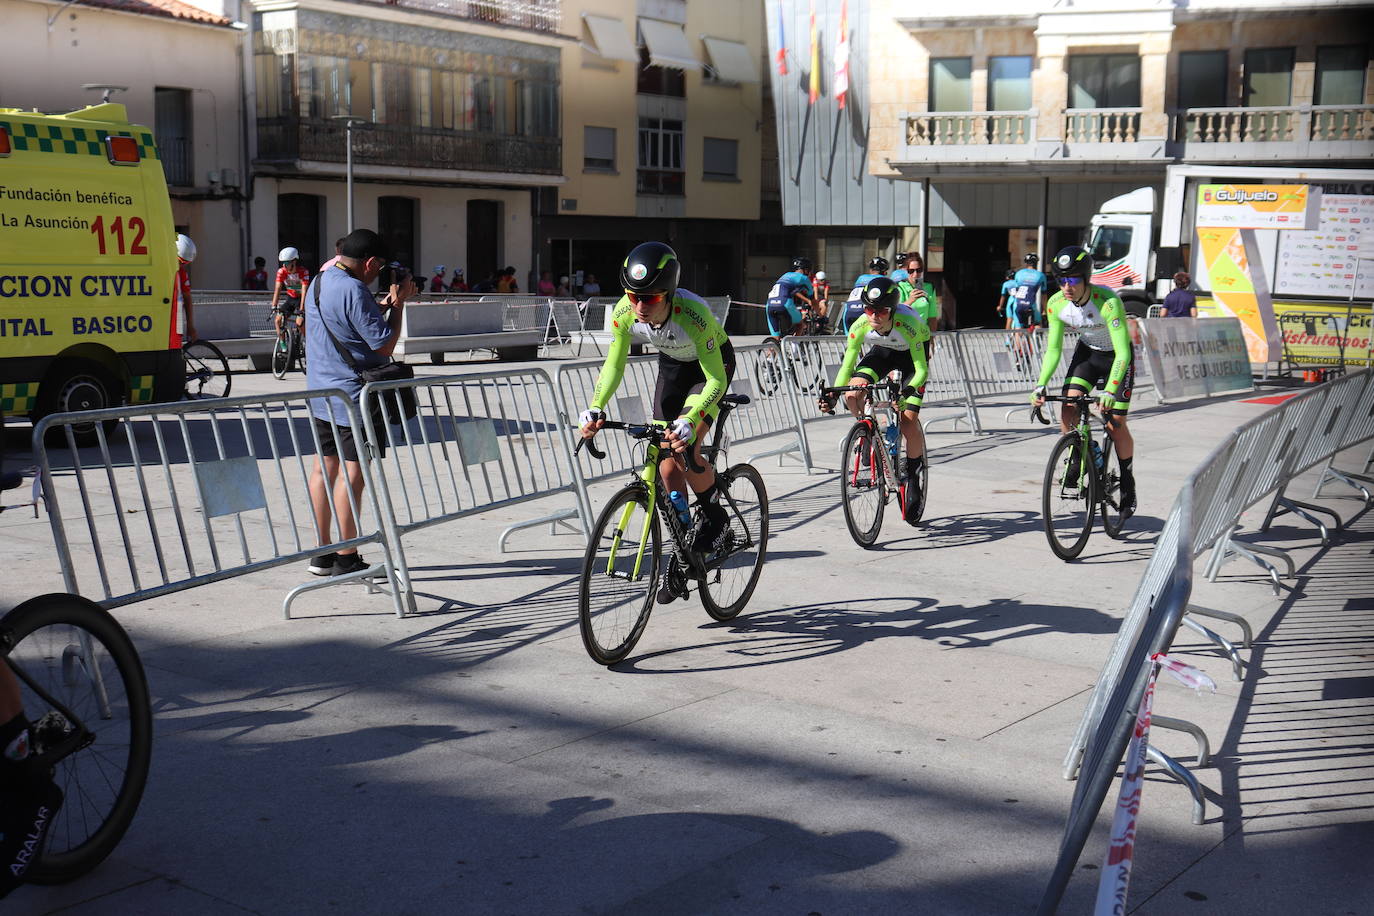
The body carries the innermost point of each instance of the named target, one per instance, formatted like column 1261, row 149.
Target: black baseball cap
column 363, row 244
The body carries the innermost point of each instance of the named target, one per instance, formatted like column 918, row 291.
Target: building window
column 299, row 217
column 1104, row 81
column 653, row 80
column 1340, row 75
column 720, row 160
column 598, row 149
column 1202, row 79
column 397, row 218
column 324, row 87
column 951, row 84
column 172, row 121
column 660, row 156
column 1268, row 77
column 1009, row 84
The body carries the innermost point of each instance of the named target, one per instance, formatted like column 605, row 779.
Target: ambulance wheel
column 79, row 384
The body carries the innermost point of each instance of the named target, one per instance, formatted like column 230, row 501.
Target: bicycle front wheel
column 1109, row 484
column 207, row 371
column 863, row 487
column 77, row 655
column 1069, row 501
column 619, row 573
column 733, row 572
column 768, row 368
column 281, row 356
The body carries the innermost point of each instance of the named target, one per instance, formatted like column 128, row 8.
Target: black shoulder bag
column 387, row 372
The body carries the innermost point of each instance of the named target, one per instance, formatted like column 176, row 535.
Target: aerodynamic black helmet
column 880, row 294
column 1074, row 261
column 879, row 265
column 652, row 267
column 802, row 264
column 1032, row 259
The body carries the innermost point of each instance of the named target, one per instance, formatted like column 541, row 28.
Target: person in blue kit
column 1026, row 296
column 854, row 306
column 1004, row 297
column 899, row 272
column 791, row 288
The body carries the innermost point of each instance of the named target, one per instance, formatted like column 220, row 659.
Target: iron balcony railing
column 537, row 15
column 318, row 140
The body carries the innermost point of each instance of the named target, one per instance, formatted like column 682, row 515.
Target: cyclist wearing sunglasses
column 791, row 288
column 898, row 343
column 1102, row 358
column 695, row 366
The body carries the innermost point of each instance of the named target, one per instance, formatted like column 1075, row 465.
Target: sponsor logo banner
column 1196, row 357
column 1258, row 206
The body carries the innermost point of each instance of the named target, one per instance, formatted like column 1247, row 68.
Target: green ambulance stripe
column 141, row 389
column 18, row 398
column 76, row 141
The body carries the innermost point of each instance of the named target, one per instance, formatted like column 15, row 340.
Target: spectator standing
column 591, row 287
column 338, row 246
column 918, row 293
column 545, row 287
column 437, row 283
column 1181, row 302
column 488, row 285
column 186, row 253
column 256, row 279
column 505, row 281
column 459, row 284
column 564, row 290
column 344, row 312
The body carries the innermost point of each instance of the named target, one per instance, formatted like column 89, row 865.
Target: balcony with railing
column 1108, row 134
column 536, row 15
column 1273, row 133
column 968, row 136
column 282, row 140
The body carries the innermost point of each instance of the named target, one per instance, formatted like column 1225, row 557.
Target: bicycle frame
column 1085, row 436
column 887, row 391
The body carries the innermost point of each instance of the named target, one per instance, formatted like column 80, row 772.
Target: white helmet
column 288, row 254
column 186, row 249
column 820, row 275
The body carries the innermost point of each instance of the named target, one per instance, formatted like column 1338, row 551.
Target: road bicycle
column 207, row 371
column 802, row 364
column 872, row 471
column 84, row 691
column 624, row 560
column 1072, row 497
column 289, row 350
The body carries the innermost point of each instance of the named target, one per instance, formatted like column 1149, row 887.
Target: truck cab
column 1122, row 237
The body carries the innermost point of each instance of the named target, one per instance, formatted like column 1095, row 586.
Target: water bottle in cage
column 1098, row 459
column 891, row 435
column 679, row 502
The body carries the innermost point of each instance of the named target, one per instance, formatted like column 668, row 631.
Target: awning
column 731, row 61
column 610, row 38
column 667, row 45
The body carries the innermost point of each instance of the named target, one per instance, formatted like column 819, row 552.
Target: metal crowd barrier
column 477, row 442
column 1261, row 457
column 183, row 494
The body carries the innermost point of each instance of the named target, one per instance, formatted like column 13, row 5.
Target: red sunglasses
column 645, row 298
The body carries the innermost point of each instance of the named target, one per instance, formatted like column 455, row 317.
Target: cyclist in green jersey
column 898, row 342
column 1103, row 357
column 695, row 366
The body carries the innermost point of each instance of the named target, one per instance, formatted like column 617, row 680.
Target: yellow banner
column 1228, row 266
column 1258, row 206
column 1316, row 333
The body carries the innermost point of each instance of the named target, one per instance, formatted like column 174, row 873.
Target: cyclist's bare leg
column 675, row 478
column 276, row 320
column 915, row 437
column 1068, row 417
column 854, row 400
column 1122, row 439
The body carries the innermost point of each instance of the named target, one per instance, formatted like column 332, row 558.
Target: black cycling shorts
column 880, row 361
column 1089, row 368
column 1025, row 314
column 678, row 380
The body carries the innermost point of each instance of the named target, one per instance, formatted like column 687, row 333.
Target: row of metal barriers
column 175, row 496
column 1257, row 463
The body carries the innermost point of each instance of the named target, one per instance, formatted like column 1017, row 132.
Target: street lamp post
column 349, row 121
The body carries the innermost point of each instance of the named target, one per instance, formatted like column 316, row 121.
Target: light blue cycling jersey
column 1024, row 293
column 854, row 307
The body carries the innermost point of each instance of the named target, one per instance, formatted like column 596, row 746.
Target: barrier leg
column 1229, row 547
column 1204, row 749
column 1237, row 667
column 1247, row 634
column 1179, row 772
column 1305, row 511
column 367, row 576
column 554, row 519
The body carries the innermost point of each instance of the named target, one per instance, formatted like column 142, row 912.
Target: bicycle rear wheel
column 619, row 574
column 281, row 356
column 768, row 368
column 207, row 371
column 77, row 654
column 1068, row 508
column 730, row 580
column 1109, row 481
column 863, row 488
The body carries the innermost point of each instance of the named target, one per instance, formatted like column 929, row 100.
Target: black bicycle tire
column 726, row 612
column 282, row 354
column 769, row 371
column 912, row 515
column 1051, row 484
column 73, row 610
column 865, row 539
column 218, row 356
column 598, row 653
column 1112, row 521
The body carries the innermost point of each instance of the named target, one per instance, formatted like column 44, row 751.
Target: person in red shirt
column 286, row 296
column 256, row 279
column 436, row 282
column 186, row 253
column 460, row 283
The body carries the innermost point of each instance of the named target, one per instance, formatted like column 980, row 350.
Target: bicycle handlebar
column 1079, row 400
column 643, row 431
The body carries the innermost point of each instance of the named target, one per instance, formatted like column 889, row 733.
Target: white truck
column 1137, row 246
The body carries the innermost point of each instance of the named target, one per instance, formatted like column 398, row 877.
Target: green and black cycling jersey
column 902, row 347
column 1101, row 323
column 691, row 334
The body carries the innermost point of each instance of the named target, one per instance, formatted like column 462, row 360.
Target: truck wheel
column 1136, row 308
column 78, row 384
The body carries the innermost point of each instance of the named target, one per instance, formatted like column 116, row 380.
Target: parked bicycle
column 84, row 692
column 872, row 464
column 1081, row 477
column 624, row 558
column 207, row 371
column 289, row 350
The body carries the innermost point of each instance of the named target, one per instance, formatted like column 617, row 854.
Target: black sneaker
column 714, row 522
column 673, row 585
column 349, row 563
column 323, row 565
